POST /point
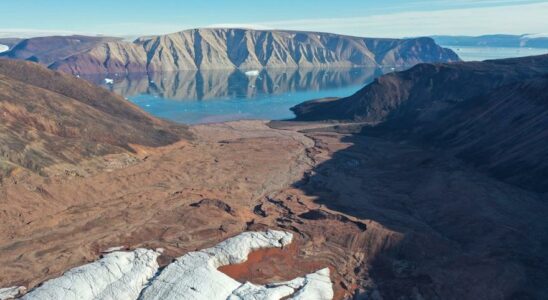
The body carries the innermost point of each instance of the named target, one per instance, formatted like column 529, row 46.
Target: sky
column 375, row 18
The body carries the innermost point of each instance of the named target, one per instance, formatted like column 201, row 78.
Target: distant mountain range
column 212, row 48
column 47, row 50
column 9, row 42
column 492, row 114
column 496, row 40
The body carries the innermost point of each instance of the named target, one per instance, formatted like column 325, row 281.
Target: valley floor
column 387, row 218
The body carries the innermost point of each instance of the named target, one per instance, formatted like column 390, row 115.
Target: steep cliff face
column 493, row 114
column 47, row 50
column 208, row 49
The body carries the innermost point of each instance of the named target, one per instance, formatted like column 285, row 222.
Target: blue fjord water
column 194, row 97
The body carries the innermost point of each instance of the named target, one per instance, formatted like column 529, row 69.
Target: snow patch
column 109, row 81
column 114, row 249
column 134, row 275
column 195, row 275
column 12, row 292
column 315, row 286
column 119, row 275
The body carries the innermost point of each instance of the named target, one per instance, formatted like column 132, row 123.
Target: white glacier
column 119, row 275
column 134, row 275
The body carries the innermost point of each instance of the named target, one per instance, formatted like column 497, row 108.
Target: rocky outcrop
column 208, row 49
column 492, row 114
column 49, row 49
column 50, row 118
column 130, row 275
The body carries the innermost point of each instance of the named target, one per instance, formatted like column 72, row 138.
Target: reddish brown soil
column 273, row 265
column 387, row 218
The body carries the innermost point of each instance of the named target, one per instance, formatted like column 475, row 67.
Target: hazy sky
column 383, row 18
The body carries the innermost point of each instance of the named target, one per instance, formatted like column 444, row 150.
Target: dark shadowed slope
column 221, row 48
column 47, row 50
column 493, row 114
column 49, row 118
column 10, row 42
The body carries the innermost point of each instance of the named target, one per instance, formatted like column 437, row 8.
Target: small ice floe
column 109, row 81
column 252, row 73
column 12, row 292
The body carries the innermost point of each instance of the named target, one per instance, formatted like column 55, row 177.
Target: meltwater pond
column 195, row 97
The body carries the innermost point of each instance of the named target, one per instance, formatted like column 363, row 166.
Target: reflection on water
column 216, row 96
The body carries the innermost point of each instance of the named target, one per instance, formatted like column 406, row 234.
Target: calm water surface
column 215, row 96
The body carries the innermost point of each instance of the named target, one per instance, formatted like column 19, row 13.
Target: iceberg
column 4, row 48
column 252, row 73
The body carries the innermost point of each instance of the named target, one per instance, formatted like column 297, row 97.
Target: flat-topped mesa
column 224, row 48
column 133, row 275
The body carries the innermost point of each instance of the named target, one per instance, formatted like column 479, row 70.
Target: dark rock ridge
column 250, row 49
column 49, row 49
column 492, row 114
column 50, row 117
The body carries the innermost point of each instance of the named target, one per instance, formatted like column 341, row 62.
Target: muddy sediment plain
column 387, row 218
